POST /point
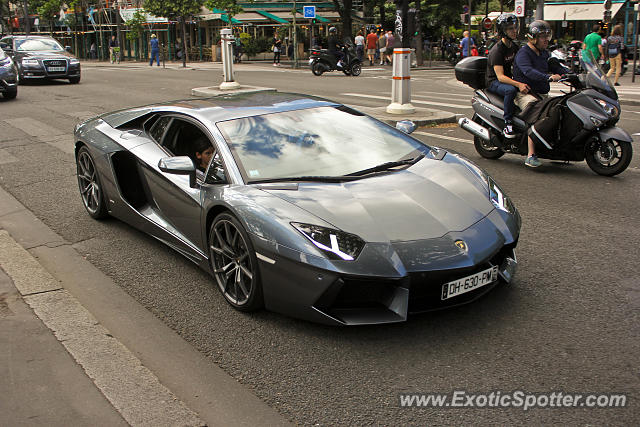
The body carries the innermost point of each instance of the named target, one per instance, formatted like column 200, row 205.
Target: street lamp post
column 295, row 36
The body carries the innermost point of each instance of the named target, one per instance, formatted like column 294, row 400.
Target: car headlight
column 610, row 109
column 335, row 243
column 499, row 199
column 74, row 61
column 27, row 61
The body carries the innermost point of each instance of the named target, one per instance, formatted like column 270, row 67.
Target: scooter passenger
column 335, row 47
column 531, row 67
column 499, row 74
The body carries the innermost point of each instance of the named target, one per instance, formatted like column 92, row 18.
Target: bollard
column 401, row 83
column 226, row 40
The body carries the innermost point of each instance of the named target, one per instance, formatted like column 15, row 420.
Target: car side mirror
column 406, row 126
column 67, row 48
column 180, row 165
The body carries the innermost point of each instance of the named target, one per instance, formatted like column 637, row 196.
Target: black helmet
column 503, row 21
column 333, row 30
column 538, row 28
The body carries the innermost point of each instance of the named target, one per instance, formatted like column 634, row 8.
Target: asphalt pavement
column 569, row 322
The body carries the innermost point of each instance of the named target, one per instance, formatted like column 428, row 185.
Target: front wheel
column 317, row 69
column 89, row 184
column 74, row 80
column 234, row 263
column 356, row 69
column 608, row 158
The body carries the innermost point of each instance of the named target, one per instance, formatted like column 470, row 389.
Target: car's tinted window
column 323, row 141
column 38, row 45
column 158, row 128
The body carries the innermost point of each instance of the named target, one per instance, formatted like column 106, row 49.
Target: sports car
column 302, row 205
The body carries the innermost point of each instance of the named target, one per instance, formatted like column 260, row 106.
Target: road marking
column 450, row 138
column 441, row 94
column 33, row 127
column 416, row 101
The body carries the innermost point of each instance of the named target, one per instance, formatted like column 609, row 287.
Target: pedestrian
column 372, row 41
column 382, row 45
column 93, row 51
column 178, row 46
column 277, row 48
column 443, row 46
column 593, row 41
column 467, row 44
column 359, row 42
column 114, row 50
column 390, row 45
column 614, row 52
column 155, row 50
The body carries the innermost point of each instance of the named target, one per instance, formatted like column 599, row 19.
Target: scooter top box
column 472, row 71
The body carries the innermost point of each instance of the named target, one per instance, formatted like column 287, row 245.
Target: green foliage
column 135, row 25
column 231, row 7
column 172, row 8
column 49, row 9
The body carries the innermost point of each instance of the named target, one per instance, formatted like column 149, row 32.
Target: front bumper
column 35, row 72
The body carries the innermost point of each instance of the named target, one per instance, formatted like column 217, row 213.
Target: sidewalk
column 77, row 350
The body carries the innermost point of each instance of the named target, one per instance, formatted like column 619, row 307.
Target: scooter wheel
column 608, row 158
column 316, row 69
column 356, row 69
column 486, row 149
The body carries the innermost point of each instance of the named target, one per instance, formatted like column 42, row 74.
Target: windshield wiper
column 387, row 166
column 300, row 178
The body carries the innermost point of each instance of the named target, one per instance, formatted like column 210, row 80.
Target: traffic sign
column 519, row 7
column 487, row 23
column 309, row 12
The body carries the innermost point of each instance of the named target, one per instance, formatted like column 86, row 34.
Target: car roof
column 239, row 105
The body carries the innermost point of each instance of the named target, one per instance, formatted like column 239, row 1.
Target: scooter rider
column 335, row 47
column 499, row 76
column 531, row 67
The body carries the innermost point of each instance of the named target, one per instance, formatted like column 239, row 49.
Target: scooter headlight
column 610, row 109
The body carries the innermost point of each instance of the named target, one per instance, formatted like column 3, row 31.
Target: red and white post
column 401, row 83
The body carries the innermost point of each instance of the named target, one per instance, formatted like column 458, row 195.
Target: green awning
column 272, row 16
column 317, row 18
column 225, row 17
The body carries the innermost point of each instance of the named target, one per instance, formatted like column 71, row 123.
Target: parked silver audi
column 8, row 77
column 41, row 57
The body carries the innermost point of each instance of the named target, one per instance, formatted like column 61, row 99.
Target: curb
column 196, row 382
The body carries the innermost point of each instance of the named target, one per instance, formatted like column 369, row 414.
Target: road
column 569, row 322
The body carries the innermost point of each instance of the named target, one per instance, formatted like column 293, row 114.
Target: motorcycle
column 573, row 56
column 589, row 113
column 322, row 61
column 454, row 54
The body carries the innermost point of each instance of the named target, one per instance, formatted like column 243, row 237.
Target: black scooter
column 322, row 61
column 589, row 113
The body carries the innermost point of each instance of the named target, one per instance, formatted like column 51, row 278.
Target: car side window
column 159, row 127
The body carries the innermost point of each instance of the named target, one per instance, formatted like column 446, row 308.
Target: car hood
column 427, row 200
column 42, row 54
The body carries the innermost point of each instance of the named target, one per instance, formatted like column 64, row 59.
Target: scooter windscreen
column 594, row 76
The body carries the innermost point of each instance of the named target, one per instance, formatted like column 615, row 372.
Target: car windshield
column 34, row 45
column 595, row 76
column 316, row 142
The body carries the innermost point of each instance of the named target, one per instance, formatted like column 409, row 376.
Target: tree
column 49, row 10
column 344, row 8
column 181, row 9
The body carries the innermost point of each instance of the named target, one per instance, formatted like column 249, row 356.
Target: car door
column 173, row 198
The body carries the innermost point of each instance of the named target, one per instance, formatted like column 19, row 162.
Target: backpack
column 613, row 48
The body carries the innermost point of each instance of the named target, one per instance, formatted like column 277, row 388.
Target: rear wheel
column 608, row 158
column 89, row 184
column 317, row 69
column 356, row 69
column 486, row 149
column 234, row 263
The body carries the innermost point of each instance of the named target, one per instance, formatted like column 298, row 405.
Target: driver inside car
column 202, row 152
column 531, row 66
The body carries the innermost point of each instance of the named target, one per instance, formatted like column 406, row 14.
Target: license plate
column 54, row 69
column 469, row 283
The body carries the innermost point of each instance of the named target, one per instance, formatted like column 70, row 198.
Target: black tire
column 486, row 149
column 10, row 93
column 347, row 72
column 89, row 185
column 317, row 69
column 356, row 69
column 234, row 263
column 608, row 158
column 74, row 80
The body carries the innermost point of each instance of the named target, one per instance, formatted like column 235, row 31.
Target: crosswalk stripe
column 414, row 101
column 450, row 138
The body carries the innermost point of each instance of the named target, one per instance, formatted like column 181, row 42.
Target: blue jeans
column 509, row 93
column 155, row 54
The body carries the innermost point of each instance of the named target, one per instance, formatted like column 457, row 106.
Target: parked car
column 302, row 205
column 41, row 57
column 8, row 76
